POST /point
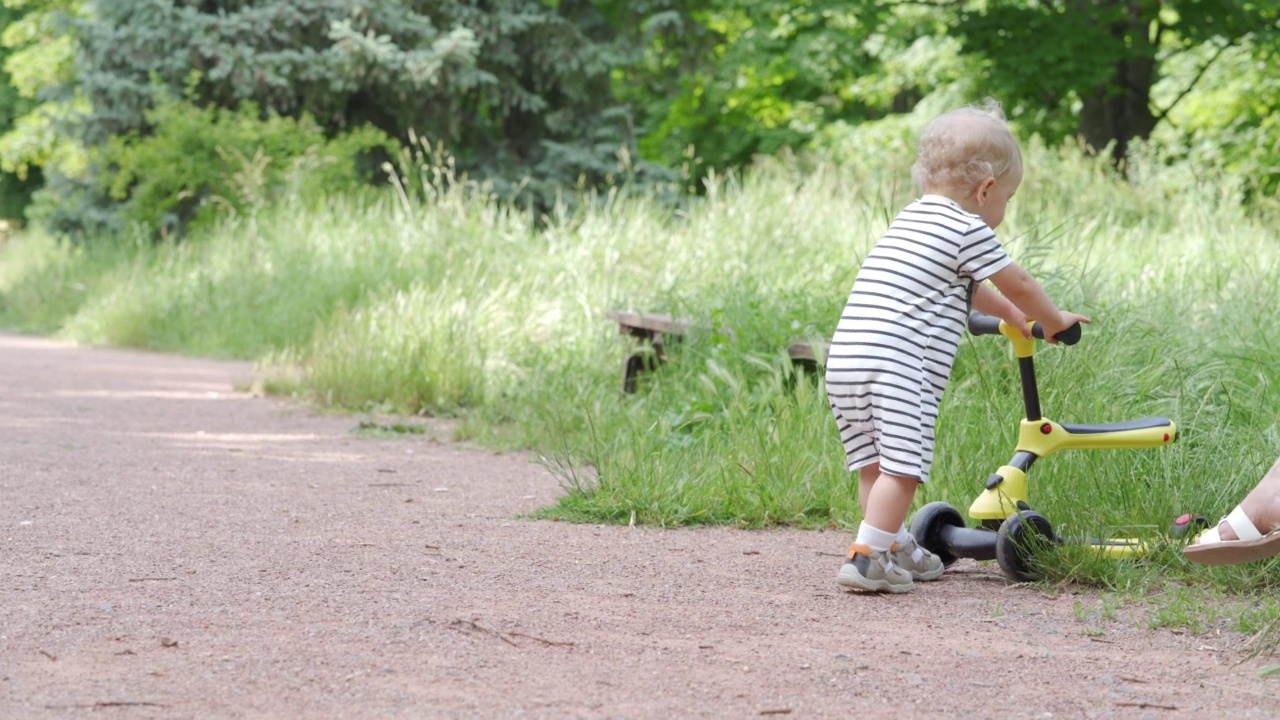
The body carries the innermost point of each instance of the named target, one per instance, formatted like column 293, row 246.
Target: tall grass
column 433, row 299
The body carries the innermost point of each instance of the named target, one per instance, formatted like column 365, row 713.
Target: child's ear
column 983, row 191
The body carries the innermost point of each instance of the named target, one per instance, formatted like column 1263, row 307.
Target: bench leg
column 637, row 363
column 631, row 367
column 808, row 366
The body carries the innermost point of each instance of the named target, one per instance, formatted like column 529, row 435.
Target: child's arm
column 1025, row 292
column 987, row 300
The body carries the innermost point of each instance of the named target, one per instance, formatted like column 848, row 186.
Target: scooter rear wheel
column 927, row 524
column 1021, row 536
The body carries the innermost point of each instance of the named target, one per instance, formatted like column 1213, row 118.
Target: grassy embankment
column 431, row 299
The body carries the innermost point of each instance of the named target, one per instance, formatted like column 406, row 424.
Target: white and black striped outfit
column 892, row 351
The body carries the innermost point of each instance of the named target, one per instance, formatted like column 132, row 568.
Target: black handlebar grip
column 983, row 324
column 1070, row 336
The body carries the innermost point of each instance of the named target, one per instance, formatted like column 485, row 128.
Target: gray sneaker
column 867, row 569
column 927, row 567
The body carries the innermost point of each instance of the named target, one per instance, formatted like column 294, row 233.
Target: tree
column 37, row 55
column 738, row 78
column 15, row 188
column 1045, row 57
column 1233, row 124
column 761, row 74
column 518, row 90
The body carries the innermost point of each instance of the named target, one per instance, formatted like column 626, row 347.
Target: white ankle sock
column 904, row 537
column 875, row 538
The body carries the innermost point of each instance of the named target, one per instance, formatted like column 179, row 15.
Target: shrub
column 200, row 162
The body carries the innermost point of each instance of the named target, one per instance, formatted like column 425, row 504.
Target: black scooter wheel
column 1021, row 536
column 926, row 528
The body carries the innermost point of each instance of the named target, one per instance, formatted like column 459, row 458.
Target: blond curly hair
column 965, row 146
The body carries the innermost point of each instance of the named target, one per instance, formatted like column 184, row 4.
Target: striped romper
column 893, row 348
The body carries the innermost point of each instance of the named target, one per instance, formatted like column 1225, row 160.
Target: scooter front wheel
column 1021, row 536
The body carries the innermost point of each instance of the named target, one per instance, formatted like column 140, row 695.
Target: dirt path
column 173, row 548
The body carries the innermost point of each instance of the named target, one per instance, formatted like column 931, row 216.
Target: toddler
column 893, row 348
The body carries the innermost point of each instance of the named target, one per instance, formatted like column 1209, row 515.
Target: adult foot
column 1249, row 532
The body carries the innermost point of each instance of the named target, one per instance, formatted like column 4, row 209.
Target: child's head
column 964, row 147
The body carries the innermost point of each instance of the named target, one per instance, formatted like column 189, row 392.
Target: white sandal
column 1209, row 548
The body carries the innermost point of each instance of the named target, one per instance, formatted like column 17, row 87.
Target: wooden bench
column 656, row 329
column 803, row 355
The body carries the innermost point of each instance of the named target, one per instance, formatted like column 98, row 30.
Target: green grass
column 434, row 300
column 1181, row 607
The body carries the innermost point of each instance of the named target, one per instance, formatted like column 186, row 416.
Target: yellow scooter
column 1009, row 531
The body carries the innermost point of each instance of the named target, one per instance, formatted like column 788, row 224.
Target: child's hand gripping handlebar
column 983, row 324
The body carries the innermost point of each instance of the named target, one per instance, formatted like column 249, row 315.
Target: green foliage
column 758, row 77
column 1040, row 58
column 349, row 65
column 1232, row 125
column 533, row 97
column 755, row 76
column 38, row 59
column 16, row 185
column 15, row 195
column 518, row 89
column 1089, row 66
column 198, row 162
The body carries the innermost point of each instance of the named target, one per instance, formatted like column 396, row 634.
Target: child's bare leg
column 888, row 501
column 1262, row 505
column 866, row 479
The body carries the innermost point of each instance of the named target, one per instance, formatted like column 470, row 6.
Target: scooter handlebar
column 983, row 324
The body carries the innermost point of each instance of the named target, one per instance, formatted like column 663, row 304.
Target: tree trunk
column 1119, row 108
